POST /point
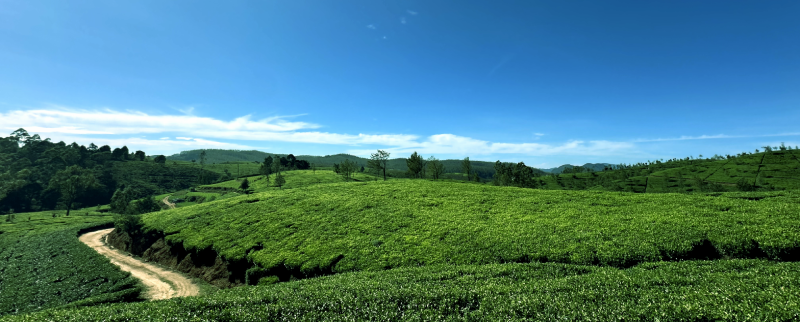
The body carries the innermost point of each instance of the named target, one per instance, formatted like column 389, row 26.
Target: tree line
column 37, row 174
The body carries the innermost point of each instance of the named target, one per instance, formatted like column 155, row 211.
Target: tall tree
column 139, row 155
column 435, row 167
column 72, row 182
column 466, row 167
column 266, row 167
column 346, row 169
column 245, row 187
column 415, row 165
column 160, row 159
column 279, row 180
column 378, row 161
column 202, row 159
column 291, row 161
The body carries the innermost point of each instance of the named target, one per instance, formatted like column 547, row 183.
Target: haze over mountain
column 547, row 83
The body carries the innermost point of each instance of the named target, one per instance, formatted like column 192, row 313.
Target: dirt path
column 161, row 284
column 166, row 202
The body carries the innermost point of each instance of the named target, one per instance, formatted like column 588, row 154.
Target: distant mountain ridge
column 593, row 166
column 485, row 169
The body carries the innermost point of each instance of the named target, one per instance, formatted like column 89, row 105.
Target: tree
column 378, row 161
column 435, row 167
column 314, row 168
column 145, row 205
column 72, row 182
column 118, row 154
column 202, row 159
column 466, row 167
column 160, row 159
column 266, row 167
column 125, row 152
column 279, row 180
column 346, row 169
column 92, row 147
column 415, row 165
column 245, row 187
column 139, row 155
column 291, row 161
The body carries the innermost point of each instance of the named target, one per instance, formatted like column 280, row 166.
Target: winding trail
column 161, row 283
column 166, row 202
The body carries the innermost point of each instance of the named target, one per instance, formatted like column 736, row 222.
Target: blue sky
column 544, row 82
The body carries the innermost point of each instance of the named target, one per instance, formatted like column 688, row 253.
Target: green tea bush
column 380, row 225
column 727, row 290
column 44, row 265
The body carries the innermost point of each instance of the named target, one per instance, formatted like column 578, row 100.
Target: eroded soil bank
column 205, row 264
column 161, row 284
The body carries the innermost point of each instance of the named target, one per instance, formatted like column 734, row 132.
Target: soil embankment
column 204, row 264
column 161, row 284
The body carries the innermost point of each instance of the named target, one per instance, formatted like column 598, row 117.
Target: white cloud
column 413, row 13
column 152, row 147
column 717, row 136
column 372, row 27
column 115, row 128
column 113, row 122
column 538, row 134
column 403, row 20
column 459, row 145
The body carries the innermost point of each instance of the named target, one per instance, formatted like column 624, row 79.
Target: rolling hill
column 767, row 171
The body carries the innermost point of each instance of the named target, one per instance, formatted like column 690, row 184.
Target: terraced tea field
column 727, row 290
column 43, row 265
column 374, row 226
column 424, row 250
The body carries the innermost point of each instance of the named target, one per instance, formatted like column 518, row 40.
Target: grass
column 44, row 265
column 741, row 290
column 359, row 226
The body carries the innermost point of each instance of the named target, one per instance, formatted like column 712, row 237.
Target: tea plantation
column 423, row 250
column 773, row 170
column 740, row 290
column 44, row 265
column 380, row 225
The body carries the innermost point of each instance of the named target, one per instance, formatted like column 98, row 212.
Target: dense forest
column 37, row 174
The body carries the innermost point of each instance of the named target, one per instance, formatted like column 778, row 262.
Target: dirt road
column 161, row 284
column 166, row 202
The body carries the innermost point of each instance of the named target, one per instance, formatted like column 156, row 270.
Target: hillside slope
column 726, row 290
column 345, row 227
column 775, row 170
column 396, row 166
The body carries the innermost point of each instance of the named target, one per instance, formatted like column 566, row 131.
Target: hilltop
column 592, row 166
column 776, row 169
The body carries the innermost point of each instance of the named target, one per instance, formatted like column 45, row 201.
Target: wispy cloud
column 717, row 136
column 372, row 27
column 70, row 121
column 411, row 12
column 403, row 20
column 189, row 131
column 454, row 144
